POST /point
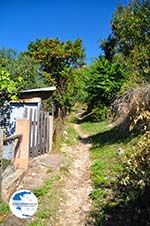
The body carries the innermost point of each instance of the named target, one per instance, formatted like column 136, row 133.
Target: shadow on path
column 133, row 213
column 117, row 134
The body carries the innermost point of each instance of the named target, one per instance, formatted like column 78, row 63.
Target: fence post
column 1, row 156
column 50, row 132
column 21, row 160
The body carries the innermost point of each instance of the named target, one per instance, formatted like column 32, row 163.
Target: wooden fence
column 39, row 132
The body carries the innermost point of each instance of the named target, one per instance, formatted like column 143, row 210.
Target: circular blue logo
column 23, row 204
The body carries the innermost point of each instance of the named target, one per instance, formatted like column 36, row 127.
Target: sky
column 23, row 21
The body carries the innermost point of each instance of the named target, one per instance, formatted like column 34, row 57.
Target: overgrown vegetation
column 131, row 190
column 4, row 210
column 104, row 81
column 120, row 175
column 70, row 135
column 121, row 154
column 58, row 59
column 116, row 84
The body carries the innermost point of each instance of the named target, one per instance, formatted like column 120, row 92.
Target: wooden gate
column 39, row 132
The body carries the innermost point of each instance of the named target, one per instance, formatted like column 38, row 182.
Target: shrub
column 133, row 108
column 132, row 190
column 99, row 113
column 135, row 177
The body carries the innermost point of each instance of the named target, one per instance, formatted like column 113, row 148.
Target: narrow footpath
column 74, row 204
column 75, row 207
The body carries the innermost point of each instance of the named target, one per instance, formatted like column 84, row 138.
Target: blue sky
column 22, row 21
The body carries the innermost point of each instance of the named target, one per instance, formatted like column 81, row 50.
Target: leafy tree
column 130, row 38
column 17, row 72
column 104, row 81
column 58, row 60
column 108, row 46
column 21, row 66
column 6, row 84
column 8, row 91
column 80, row 83
column 30, row 71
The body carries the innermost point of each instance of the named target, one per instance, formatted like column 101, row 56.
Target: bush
column 133, row 108
column 135, row 177
column 104, row 81
column 132, row 190
column 99, row 113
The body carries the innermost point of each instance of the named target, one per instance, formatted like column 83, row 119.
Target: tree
column 6, row 84
column 58, row 60
column 104, row 82
column 108, row 46
column 130, row 38
column 8, row 91
column 21, row 66
column 30, row 71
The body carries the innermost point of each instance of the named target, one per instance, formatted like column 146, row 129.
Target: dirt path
column 75, row 203
column 75, row 207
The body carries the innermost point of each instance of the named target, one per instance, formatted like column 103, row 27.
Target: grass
column 5, row 163
column 48, row 197
column 106, row 165
column 44, row 189
column 70, row 136
column 4, row 208
column 36, row 223
column 4, row 211
column 94, row 127
column 65, row 134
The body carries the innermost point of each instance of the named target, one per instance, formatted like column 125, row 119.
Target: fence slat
column 44, row 133
column 34, row 133
column 30, row 134
column 39, row 133
column 47, row 128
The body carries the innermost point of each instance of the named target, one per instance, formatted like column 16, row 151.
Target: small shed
column 28, row 99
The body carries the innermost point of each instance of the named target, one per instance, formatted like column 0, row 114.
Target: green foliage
column 121, row 181
column 104, row 82
column 6, row 84
column 30, row 72
column 4, row 208
column 135, row 178
column 5, row 163
column 131, row 189
column 35, row 223
column 108, row 46
column 70, row 136
column 8, row 88
column 21, row 67
column 130, row 38
column 99, row 113
column 44, row 189
column 58, row 60
column 79, row 84
column 105, row 168
column 94, row 127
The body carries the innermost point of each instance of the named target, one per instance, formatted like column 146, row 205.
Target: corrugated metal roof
column 43, row 93
column 46, row 89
